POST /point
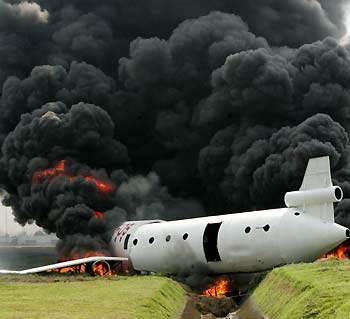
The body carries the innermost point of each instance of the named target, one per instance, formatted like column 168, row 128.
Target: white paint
column 300, row 233
column 312, row 197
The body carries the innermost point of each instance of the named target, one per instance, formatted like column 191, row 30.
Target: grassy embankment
column 319, row 291
column 80, row 297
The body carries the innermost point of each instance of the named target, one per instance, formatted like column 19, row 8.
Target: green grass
column 78, row 297
column 319, row 291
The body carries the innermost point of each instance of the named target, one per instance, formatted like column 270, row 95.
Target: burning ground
column 122, row 110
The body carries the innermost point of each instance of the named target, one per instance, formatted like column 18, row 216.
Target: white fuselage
column 244, row 242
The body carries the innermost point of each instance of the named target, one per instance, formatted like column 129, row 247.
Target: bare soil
column 198, row 307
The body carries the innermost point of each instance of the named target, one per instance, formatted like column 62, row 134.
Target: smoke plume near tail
column 115, row 111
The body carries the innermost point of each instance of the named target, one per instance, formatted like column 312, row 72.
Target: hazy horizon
column 8, row 224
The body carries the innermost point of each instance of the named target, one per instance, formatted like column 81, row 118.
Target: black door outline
column 126, row 241
column 210, row 242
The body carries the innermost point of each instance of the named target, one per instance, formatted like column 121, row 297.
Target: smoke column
column 120, row 110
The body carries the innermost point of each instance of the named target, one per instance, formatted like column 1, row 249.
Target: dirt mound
column 219, row 307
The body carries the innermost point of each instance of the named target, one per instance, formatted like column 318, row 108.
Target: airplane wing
column 64, row 264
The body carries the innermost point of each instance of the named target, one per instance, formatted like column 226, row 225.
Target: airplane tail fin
column 317, row 193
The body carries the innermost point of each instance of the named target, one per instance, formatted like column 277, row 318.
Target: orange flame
column 98, row 214
column 77, row 268
column 59, row 170
column 73, row 269
column 219, row 289
column 102, row 186
column 341, row 252
column 101, row 269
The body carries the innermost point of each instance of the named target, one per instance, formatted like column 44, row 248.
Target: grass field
column 320, row 291
column 79, row 297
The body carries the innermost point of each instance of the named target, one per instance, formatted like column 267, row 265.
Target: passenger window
column 247, row 230
column 266, row 228
column 151, row 240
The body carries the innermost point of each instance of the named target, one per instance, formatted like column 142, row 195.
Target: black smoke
column 183, row 106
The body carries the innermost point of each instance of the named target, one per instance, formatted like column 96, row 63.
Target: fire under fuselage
column 244, row 242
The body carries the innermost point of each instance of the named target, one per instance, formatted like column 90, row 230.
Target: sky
column 347, row 23
column 13, row 228
column 347, row 20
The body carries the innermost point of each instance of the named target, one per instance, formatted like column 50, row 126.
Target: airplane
column 235, row 243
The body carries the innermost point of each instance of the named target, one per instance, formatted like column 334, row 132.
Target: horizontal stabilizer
column 317, row 193
column 64, row 264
